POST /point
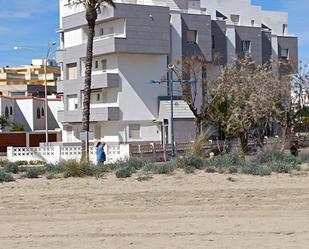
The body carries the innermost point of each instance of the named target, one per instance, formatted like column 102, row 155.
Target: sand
column 179, row 211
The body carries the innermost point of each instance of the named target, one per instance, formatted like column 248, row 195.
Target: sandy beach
column 180, row 211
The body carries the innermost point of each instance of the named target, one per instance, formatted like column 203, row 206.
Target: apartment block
column 29, row 80
column 135, row 42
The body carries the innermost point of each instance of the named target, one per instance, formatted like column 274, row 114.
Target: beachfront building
column 136, row 41
column 29, row 112
column 29, row 80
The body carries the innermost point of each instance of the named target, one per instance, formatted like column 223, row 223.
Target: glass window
column 72, row 102
column 235, row 19
column 104, row 65
column 38, row 113
column 11, row 110
column 42, row 111
column 285, row 53
column 246, row 46
column 134, row 131
column 71, row 71
column 192, row 36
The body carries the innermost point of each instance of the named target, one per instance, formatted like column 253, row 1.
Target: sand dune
column 179, row 211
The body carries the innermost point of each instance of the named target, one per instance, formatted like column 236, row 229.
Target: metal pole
column 172, row 114
column 46, row 103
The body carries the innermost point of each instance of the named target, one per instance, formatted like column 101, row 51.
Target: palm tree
column 92, row 7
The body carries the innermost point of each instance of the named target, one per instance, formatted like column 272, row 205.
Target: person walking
column 100, row 153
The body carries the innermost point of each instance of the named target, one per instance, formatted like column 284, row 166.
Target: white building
column 135, row 42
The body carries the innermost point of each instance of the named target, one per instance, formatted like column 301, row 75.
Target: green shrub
column 5, row 177
column 21, row 163
column 34, row 172
column 125, row 172
column 198, row 147
column 144, row 178
column 55, row 168
column 36, row 162
column 3, row 162
column 77, row 169
column 189, row 163
column 227, row 163
column 11, row 167
column 283, row 167
column 250, row 168
column 160, row 168
column 268, row 156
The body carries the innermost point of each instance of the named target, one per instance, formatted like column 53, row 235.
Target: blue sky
column 33, row 23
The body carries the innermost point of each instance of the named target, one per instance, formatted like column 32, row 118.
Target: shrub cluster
column 5, row 177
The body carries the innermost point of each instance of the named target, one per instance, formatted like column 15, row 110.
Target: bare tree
column 92, row 7
column 247, row 98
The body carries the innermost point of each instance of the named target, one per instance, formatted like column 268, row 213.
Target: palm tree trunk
column 91, row 17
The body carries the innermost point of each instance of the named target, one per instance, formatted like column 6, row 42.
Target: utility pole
column 171, row 82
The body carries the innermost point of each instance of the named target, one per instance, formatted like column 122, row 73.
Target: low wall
column 57, row 153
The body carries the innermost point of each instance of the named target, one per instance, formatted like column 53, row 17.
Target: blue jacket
column 100, row 153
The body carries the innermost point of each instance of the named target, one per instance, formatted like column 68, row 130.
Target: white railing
column 56, row 153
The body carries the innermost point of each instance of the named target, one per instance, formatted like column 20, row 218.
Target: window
column 252, row 22
column 192, row 36
column 72, row 102
column 104, row 65
column 213, row 42
column 6, row 113
column 98, row 96
column 96, row 64
column 71, row 71
column 38, row 113
column 42, row 112
column 235, row 19
column 134, row 131
column 111, row 30
column 246, row 47
column 101, row 31
column 284, row 29
column 11, row 110
column 285, row 53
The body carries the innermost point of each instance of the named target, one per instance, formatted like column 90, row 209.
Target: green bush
column 250, row 168
column 21, row 163
column 3, row 162
column 33, row 172
column 160, row 168
column 5, row 177
column 125, row 172
column 268, row 156
column 77, row 169
column 227, row 163
column 283, row 167
column 11, row 167
column 36, row 162
column 189, row 163
column 55, row 168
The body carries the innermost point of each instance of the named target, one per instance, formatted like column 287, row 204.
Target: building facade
column 29, row 80
column 30, row 112
column 135, row 42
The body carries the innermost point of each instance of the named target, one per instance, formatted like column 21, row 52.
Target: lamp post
column 45, row 59
column 171, row 81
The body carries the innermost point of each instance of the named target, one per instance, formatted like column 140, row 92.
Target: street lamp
column 171, row 81
column 47, row 56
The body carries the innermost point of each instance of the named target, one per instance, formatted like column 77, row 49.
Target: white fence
column 56, row 153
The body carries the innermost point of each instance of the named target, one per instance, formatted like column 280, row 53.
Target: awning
column 181, row 110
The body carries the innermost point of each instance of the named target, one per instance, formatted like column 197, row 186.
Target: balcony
column 104, row 80
column 96, row 115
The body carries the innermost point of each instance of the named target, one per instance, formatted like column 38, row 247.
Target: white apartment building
column 135, row 42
